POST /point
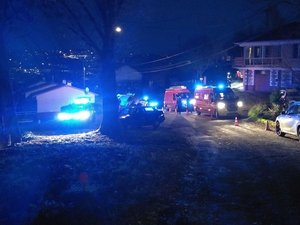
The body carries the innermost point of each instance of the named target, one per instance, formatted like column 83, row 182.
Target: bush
column 257, row 111
column 263, row 111
column 272, row 112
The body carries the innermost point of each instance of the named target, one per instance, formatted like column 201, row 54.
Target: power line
column 189, row 62
column 262, row 9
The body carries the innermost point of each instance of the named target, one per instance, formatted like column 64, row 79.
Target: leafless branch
column 80, row 27
column 91, row 17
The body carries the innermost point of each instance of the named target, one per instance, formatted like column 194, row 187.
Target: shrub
column 257, row 111
column 263, row 111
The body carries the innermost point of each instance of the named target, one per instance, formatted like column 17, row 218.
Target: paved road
column 241, row 174
column 192, row 170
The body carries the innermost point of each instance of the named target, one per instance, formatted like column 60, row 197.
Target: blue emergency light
column 82, row 100
column 221, row 86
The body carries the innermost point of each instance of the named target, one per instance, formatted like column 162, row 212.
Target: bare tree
column 93, row 22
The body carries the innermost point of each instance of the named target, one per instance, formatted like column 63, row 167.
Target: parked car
column 76, row 113
column 289, row 121
column 138, row 116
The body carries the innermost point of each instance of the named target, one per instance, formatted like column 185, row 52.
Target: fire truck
column 171, row 96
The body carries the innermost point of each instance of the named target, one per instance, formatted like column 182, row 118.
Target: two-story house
column 271, row 61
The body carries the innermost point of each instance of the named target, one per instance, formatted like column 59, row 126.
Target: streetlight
column 118, row 29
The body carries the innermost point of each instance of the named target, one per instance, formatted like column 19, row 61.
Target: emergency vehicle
column 172, row 94
column 217, row 101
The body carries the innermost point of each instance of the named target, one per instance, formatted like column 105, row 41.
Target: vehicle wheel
column 278, row 130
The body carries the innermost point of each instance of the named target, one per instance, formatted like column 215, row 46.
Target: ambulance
column 217, row 101
column 173, row 93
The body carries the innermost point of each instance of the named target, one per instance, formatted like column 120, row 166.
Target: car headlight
column 240, row 104
column 184, row 101
column 82, row 115
column 192, row 101
column 64, row 116
column 221, row 105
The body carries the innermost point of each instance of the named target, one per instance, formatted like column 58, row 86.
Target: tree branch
column 80, row 27
column 91, row 17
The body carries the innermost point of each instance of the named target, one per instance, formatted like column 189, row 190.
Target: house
column 128, row 79
column 271, row 61
column 49, row 98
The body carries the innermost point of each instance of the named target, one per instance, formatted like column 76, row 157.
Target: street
column 242, row 174
column 191, row 170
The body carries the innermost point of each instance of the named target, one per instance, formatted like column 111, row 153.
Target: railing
column 276, row 61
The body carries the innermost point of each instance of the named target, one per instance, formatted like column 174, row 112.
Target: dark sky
column 168, row 25
column 160, row 26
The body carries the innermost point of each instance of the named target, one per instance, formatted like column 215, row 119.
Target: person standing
column 178, row 105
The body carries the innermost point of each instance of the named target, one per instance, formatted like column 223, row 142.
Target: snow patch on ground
column 87, row 138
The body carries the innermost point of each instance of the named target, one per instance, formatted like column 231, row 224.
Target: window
column 274, row 78
column 206, row 96
column 286, row 78
column 295, row 109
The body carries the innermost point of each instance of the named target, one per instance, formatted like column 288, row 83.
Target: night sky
column 159, row 27
column 168, row 25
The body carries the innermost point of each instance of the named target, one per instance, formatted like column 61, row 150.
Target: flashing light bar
column 82, row 100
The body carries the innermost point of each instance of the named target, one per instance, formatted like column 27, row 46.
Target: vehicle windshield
column 224, row 94
column 183, row 95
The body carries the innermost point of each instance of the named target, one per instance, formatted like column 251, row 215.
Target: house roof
column 39, row 87
column 127, row 73
column 288, row 33
column 38, row 91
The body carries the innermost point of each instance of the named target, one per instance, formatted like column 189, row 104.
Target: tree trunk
column 110, row 124
column 9, row 126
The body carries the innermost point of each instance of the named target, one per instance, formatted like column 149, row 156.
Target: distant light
column 221, row 86
column 153, row 104
column 199, row 87
column 118, row 29
column 145, row 98
column 149, row 109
